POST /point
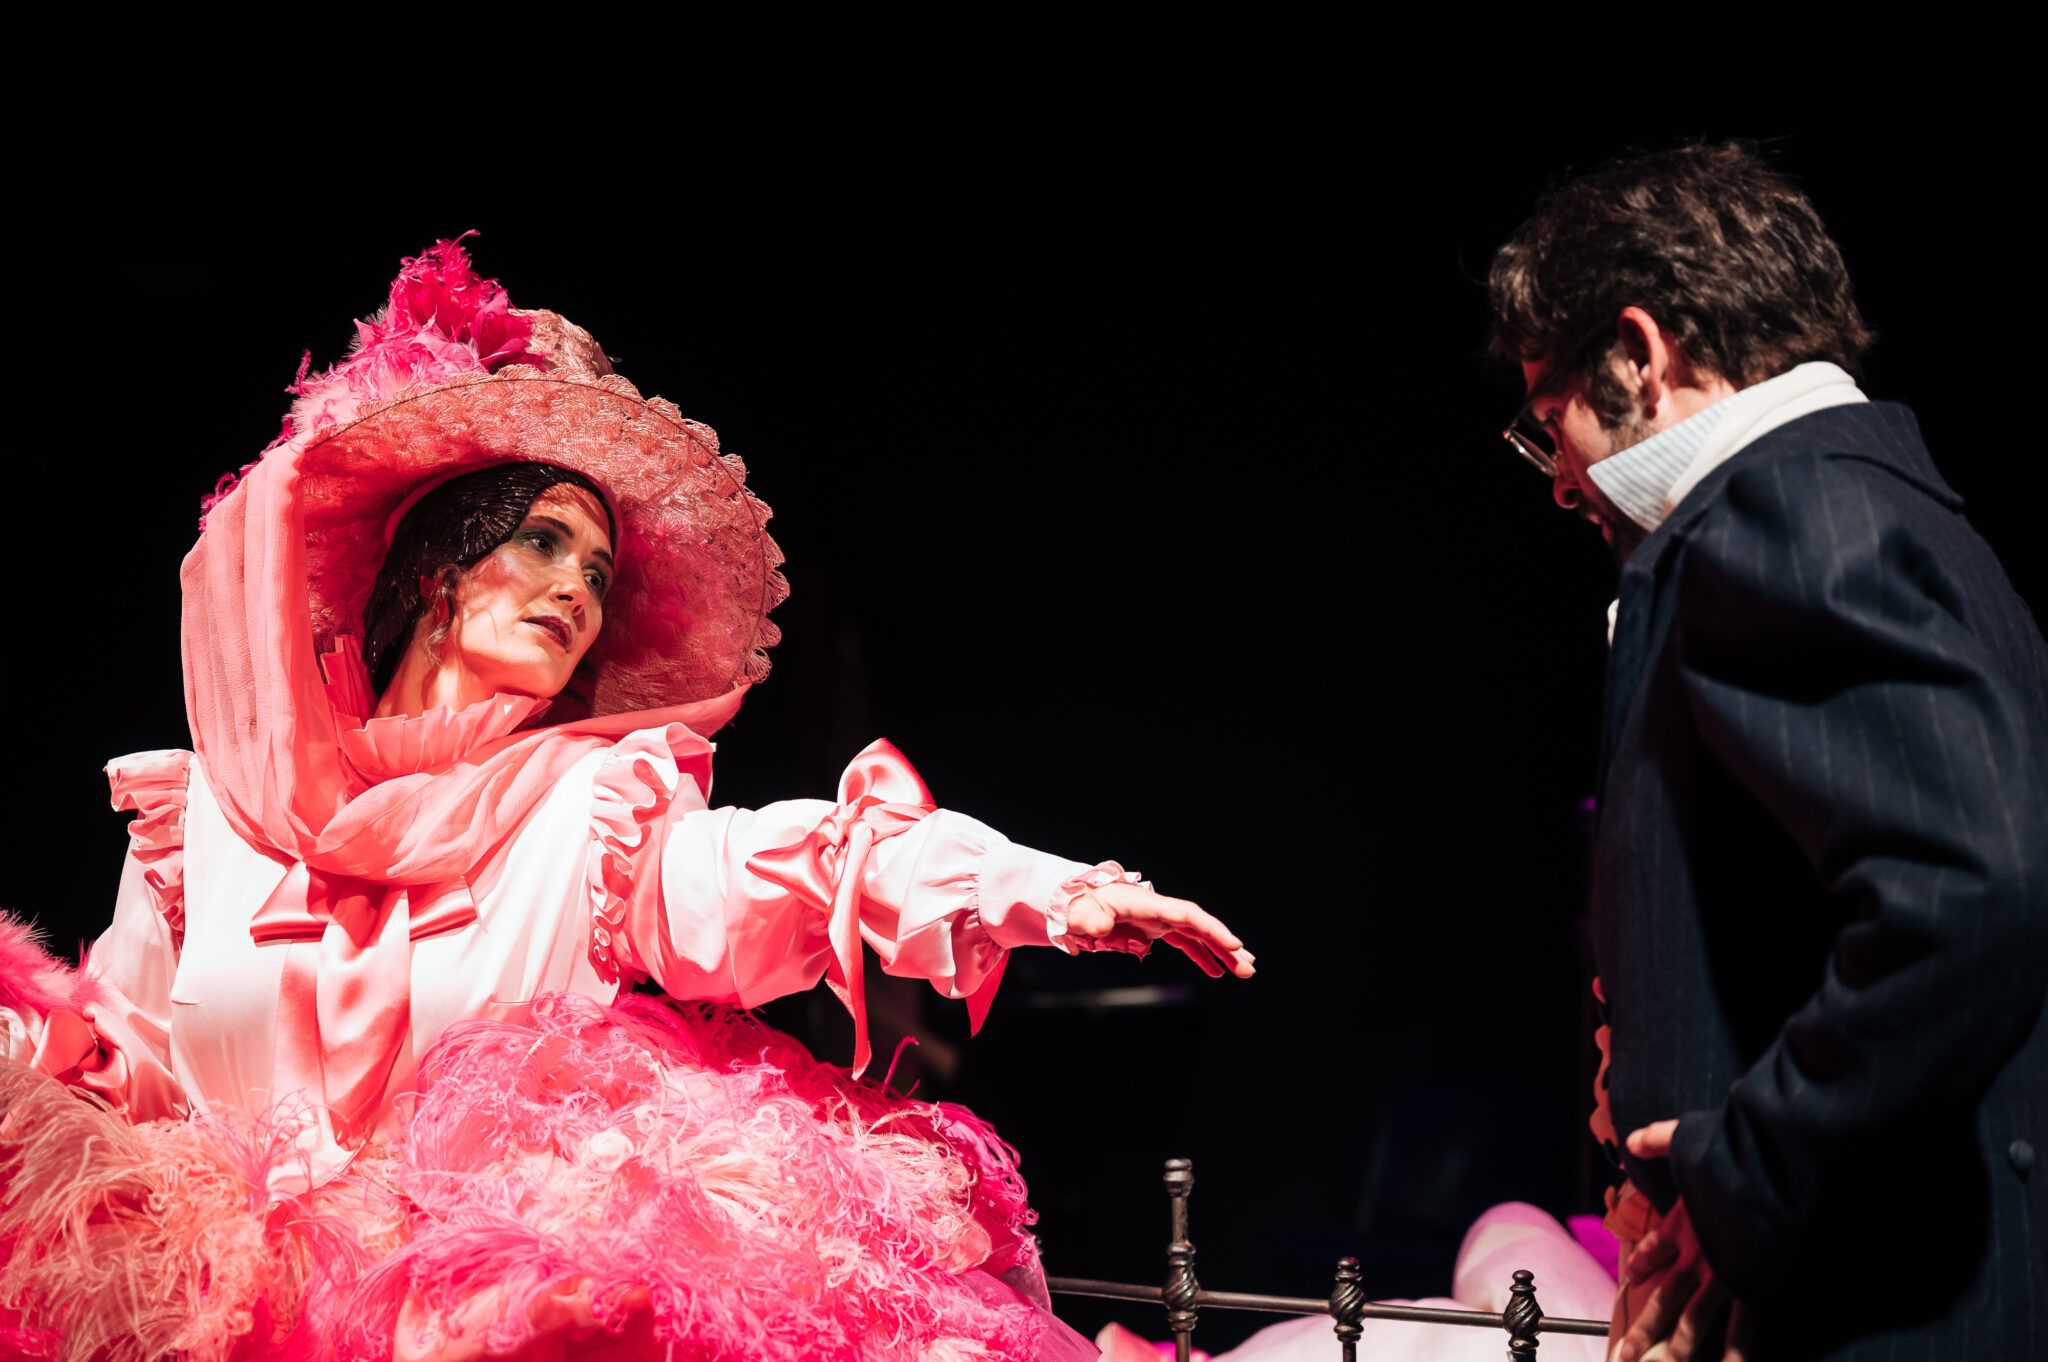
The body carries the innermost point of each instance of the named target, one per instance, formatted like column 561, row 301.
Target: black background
column 1120, row 403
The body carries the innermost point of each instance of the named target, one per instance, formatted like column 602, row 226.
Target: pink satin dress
column 222, row 1001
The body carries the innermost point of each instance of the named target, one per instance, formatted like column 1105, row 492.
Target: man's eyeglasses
column 1530, row 440
column 1528, row 437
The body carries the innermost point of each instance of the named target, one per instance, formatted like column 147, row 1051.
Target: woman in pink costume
column 362, row 1074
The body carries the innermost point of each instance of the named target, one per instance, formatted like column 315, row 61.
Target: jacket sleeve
column 1834, row 668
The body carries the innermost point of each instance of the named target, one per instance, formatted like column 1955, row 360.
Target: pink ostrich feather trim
column 679, row 1181
column 133, row 1243
column 690, row 1175
column 34, row 981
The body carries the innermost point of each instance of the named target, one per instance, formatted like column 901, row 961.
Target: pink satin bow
column 307, row 900
column 879, row 796
column 345, row 1001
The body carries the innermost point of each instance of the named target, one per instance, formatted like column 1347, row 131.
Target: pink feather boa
column 675, row 1181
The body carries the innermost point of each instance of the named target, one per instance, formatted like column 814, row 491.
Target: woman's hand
column 1130, row 917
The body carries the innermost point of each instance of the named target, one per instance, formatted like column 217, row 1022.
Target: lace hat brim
column 687, row 616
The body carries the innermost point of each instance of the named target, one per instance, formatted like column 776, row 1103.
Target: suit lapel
column 1625, row 660
column 1636, row 637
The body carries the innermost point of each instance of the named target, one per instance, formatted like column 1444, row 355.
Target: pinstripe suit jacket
column 1820, row 896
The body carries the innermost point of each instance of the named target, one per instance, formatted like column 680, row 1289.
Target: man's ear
column 1651, row 362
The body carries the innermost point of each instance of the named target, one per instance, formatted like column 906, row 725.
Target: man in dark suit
column 1820, row 889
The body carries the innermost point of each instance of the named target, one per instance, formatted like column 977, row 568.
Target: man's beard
column 1623, row 534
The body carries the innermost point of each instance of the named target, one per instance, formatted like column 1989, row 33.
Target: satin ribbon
column 307, row 901
column 344, row 1004
column 72, row 1051
column 880, row 796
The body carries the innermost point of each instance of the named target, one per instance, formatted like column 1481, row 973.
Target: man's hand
column 1680, row 1319
column 1653, row 1141
column 1130, row 917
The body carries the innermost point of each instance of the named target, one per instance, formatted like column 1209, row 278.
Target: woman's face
column 525, row 615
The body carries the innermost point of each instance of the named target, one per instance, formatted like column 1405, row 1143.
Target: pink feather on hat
column 442, row 320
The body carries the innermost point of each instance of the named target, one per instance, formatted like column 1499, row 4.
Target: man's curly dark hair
column 1722, row 250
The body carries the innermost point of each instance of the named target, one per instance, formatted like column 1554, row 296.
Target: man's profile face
column 1580, row 440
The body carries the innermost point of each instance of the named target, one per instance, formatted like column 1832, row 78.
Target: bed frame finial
column 1181, row 1287
column 1522, row 1316
column 1347, row 1307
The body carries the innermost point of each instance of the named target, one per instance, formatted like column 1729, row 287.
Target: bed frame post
column 1347, row 1307
column 1181, row 1287
column 1522, row 1316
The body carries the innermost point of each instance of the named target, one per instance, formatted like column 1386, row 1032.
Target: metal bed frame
column 1347, row 1306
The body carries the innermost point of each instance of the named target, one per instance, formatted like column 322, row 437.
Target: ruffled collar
column 403, row 745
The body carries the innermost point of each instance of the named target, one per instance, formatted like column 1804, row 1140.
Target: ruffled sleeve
column 755, row 904
column 114, row 1039
column 154, row 785
column 1071, row 888
column 640, row 786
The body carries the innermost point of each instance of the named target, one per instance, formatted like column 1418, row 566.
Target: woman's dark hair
column 448, row 531
column 1722, row 250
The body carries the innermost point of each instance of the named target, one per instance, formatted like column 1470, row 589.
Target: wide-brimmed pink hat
column 449, row 378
